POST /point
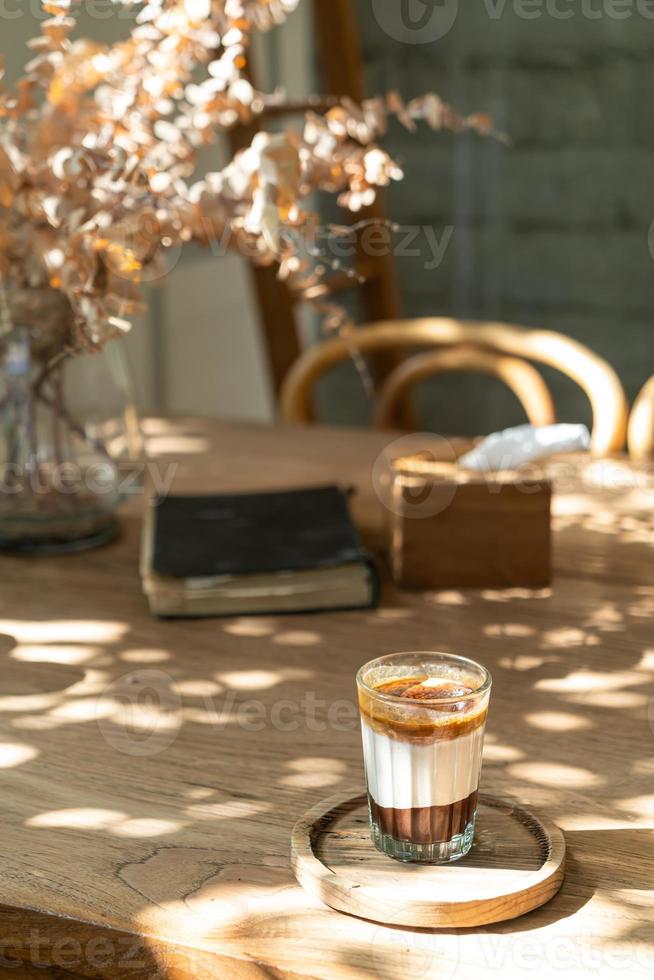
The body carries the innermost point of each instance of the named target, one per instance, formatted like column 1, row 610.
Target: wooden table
column 128, row 854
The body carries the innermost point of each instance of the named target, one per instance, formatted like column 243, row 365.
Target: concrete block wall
column 552, row 231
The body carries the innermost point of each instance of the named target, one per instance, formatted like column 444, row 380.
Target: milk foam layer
column 404, row 774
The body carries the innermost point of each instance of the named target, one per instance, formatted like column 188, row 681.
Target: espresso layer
column 426, row 688
column 414, row 712
column 426, row 824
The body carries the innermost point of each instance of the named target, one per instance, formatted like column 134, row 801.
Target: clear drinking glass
column 423, row 717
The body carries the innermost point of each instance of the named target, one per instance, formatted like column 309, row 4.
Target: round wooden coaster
column 516, row 864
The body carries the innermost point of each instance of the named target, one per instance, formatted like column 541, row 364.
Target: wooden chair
column 591, row 373
column 641, row 425
column 518, row 375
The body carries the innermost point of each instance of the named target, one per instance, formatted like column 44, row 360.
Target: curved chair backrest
column 591, row 372
column 518, row 375
column 641, row 425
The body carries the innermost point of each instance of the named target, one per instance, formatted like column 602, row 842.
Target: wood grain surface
column 151, row 773
column 516, row 864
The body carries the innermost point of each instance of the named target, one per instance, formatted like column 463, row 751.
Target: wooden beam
column 341, row 55
column 339, row 44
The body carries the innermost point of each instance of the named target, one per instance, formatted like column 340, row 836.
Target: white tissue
column 524, row 444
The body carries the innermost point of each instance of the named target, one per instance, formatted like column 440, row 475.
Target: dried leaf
column 99, row 143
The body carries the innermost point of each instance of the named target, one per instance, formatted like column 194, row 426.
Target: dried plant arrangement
column 99, row 148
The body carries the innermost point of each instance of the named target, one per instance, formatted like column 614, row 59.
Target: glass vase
column 69, row 432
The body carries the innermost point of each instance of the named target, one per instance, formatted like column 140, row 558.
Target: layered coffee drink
column 423, row 717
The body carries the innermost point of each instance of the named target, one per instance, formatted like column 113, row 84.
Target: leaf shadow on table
column 32, row 689
column 569, row 733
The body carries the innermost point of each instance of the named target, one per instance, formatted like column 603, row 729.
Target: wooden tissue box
column 457, row 528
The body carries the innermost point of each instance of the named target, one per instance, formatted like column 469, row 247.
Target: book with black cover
column 283, row 551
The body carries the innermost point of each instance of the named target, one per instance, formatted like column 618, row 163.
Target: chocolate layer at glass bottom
column 424, row 824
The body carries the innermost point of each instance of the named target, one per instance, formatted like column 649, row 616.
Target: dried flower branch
column 99, row 143
column 6, row 323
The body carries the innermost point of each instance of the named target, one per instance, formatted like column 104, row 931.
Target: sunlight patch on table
column 198, row 688
column 643, row 608
column 526, row 661
column 588, row 680
column 593, row 821
column 250, row 680
column 314, row 773
column 15, row 754
column 448, row 598
column 145, row 656
column 612, row 904
column 84, row 709
column 177, row 445
column 495, row 752
column 93, row 682
column 227, row 810
column 64, row 630
column 609, row 699
column 85, row 818
column 199, row 793
column 565, row 637
column 250, row 627
column 643, row 767
column 511, row 630
column 28, row 702
column 508, row 595
column 261, row 680
column 555, row 774
column 382, row 616
column 35, row 723
column 641, row 806
column 297, row 638
column 558, row 721
column 607, row 619
column 227, row 905
column 54, row 654
column 145, row 827
column 141, row 719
